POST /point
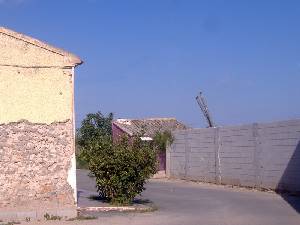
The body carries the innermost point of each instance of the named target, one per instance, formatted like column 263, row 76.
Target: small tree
column 122, row 168
column 94, row 128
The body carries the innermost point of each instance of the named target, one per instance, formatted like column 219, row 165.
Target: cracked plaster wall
column 37, row 166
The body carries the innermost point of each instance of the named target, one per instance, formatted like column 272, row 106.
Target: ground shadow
column 79, row 194
column 289, row 184
column 136, row 201
column 98, row 198
column 141, row 201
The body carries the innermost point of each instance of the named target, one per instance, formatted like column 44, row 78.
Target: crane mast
column 203, row 106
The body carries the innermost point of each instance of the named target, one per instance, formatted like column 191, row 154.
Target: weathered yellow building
column 37, row 150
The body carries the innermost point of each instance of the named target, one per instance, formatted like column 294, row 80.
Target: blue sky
column 149, row 58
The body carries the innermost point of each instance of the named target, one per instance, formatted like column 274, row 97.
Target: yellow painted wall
column 34, row 83
column 17, row 52
column 37, row 95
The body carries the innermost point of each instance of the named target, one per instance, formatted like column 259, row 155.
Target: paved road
column 181, row 203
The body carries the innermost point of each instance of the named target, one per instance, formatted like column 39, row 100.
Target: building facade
column 147, row 128
column 37, row 150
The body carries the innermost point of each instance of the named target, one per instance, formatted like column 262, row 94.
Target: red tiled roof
column 148, row 126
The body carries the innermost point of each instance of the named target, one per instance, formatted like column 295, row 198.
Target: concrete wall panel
column 255, row 155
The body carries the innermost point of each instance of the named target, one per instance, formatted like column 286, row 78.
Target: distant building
column 37, row 151
column 147, row 127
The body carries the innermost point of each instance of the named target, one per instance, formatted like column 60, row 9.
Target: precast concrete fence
column 259, row 155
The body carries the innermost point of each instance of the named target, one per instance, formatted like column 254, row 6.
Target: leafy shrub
column 81, row 163
column 122, row 168
column 161, row 139
column 93, row 127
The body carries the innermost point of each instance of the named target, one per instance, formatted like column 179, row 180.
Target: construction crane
column 203, row 106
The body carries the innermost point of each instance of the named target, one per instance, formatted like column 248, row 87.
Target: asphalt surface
column 181, row 202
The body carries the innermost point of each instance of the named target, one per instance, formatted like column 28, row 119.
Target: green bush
column 162, row 139
column 80, row 162
column 93, row 128
column 122, row 168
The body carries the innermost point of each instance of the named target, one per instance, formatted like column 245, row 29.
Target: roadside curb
column 117, row 209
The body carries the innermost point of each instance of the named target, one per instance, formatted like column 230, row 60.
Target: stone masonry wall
column 37, row 148
column 34, row 163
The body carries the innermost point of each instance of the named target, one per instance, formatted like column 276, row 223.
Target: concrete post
column 257, row 152
column 187, row 155
column 168, row 161
column 217, row 146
